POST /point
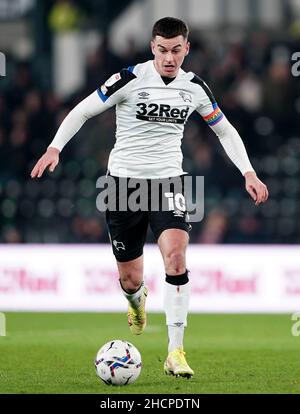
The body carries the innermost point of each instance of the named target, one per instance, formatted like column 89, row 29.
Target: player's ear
column 187, row 48
column 152, row 46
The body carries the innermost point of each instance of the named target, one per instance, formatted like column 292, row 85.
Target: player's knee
column 130, row 282
column 175, row 262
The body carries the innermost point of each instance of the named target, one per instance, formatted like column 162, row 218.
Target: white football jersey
column 150, row 119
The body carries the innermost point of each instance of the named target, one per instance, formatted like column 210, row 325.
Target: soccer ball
column 118, row 363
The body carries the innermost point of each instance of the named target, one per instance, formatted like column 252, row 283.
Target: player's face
column 169, row 54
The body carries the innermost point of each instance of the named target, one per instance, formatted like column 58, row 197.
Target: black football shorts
column 128, row 229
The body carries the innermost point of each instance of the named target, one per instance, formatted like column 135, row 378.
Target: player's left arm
column 234, row 148
column 236, row 151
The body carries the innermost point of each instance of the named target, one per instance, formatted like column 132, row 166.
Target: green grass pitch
column 54, row 353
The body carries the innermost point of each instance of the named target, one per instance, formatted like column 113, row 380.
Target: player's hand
column 256, row 188
column 49, row 159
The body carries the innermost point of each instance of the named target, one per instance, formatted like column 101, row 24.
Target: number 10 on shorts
column 179, row 201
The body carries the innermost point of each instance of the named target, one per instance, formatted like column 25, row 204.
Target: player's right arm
column 111, row 92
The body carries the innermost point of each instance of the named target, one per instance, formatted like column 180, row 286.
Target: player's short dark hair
column 169, row 27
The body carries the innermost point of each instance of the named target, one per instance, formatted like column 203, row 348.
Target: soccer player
column 153, row 102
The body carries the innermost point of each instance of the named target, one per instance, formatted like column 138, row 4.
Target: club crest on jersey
column 187, row 97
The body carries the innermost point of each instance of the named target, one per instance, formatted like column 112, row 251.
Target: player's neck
column 167, row 80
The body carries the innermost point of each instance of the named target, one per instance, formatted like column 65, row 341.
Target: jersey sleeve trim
column 101, row 95
column 115, row 83
column 196, row 79
column 216, row 115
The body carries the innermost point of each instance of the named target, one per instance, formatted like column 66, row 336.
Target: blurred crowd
column 251, row 79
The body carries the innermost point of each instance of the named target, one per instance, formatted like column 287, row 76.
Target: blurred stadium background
column 57, row 52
